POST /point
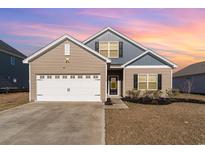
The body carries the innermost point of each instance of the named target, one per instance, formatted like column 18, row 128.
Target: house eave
column 41, row 51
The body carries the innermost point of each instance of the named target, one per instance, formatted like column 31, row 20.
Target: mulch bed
column 162, row 101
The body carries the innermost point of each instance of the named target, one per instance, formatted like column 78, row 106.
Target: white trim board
column 146, row 52
column 116, row 32
column 116, row 66
column 27, row 60
column 149, row 66
column 171, row 79
column 29, row 70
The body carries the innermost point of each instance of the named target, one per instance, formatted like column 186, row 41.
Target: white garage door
column 68, row 87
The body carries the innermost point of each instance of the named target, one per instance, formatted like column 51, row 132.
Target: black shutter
column 97, row 46
column 159, row 81
column 135, row 77
column 120, row 49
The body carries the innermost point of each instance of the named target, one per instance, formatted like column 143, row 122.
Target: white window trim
column 148, row 66
column 67, row 49
column 147, row 82
column 108, row 42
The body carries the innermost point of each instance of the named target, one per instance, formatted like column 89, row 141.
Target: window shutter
column 120, row 49
column 159, row 81
column 97, row 46
column 135, row 77
column 67, row 49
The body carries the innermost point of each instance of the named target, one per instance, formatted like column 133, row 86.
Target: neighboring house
column 13, row 73
column 108, row 64
column 191, row 79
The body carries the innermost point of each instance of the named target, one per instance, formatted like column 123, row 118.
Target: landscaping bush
column 156, row 97
column 133, row 93
column 172, row 92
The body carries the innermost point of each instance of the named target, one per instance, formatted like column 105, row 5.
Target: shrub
column 133, row 93
column 157, row 94
column 175, row 91
column 172, row 93
column 129, row 93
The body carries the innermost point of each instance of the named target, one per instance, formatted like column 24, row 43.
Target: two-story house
column 13, row 73
column 107, row 64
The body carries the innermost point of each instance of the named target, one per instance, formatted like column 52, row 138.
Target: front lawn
column 10, row 100
column 177, row 123
column 191, row 96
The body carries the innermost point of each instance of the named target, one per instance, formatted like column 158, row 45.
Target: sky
column 177, row 34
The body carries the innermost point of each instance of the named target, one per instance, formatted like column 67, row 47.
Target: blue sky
column 178, row 34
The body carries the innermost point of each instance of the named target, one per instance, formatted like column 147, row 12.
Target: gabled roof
column 153, row 53
column 115, row 32
column 44, row 49
column 4, row 47
column 147, row 50
column 193, row 69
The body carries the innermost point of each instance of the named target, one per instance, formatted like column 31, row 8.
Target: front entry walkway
column 117, row 103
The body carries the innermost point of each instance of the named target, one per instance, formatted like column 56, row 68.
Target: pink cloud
column 180, row 44
column 48, row 31
column 107, row 13
column 183, row 44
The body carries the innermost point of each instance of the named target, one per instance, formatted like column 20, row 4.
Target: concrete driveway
column 53, row 123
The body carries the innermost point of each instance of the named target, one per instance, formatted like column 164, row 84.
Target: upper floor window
column 67, row 49
column 109, row 49
column 12, row 60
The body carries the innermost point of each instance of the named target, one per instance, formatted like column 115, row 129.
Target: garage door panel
column 68, row 89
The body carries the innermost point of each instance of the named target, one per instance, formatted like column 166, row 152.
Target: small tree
column 189, row 85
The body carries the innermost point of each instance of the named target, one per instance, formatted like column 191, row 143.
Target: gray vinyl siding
column 198, row 84
column 9, row 72
column 147, row 60
column 129, row 50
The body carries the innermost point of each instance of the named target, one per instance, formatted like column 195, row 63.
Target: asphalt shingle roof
column 193, row 69
column 4, row 46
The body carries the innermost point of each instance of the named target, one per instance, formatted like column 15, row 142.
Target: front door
column 113, row 87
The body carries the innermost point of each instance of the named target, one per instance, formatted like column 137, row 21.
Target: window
column 114, row 50
column 142, row 82
column 12, row 60
column 95, row 76
column 67, row 49
column 103, row 48
column 109, row 49
column 147, row 82
column 87, row 77
column 64, row 76
column 41, row 76
column 152, row 82
column 57, row 77
column 72, row 76
column 113, row 82
column 80, row 76
column 49, row 77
